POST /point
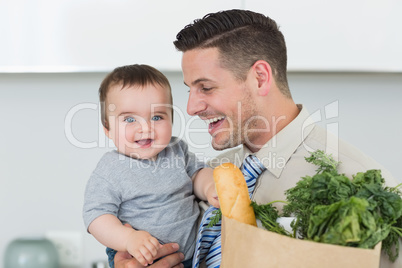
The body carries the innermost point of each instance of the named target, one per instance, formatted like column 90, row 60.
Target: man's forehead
column 200, row 65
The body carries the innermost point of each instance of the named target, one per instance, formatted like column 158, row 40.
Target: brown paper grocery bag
column 248, row 246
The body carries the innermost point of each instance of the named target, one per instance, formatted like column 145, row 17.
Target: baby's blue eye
column 129, row 119
column 156, row 118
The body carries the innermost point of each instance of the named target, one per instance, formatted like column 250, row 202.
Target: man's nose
column 195, row 104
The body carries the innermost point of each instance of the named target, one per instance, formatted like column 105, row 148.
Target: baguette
column 234, row 199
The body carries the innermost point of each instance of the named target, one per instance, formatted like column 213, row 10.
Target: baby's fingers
column 147, row 255
column 155, row 243
column 139, row 256
column 152, row 245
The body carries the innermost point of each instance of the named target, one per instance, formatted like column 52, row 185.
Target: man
column 172, row 258
column 234, row 63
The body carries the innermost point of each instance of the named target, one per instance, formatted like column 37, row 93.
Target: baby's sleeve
column 100, row 198
column 193, row 163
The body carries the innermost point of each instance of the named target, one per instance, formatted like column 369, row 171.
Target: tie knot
column 252, row 166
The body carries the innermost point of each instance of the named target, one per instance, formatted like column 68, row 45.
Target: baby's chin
column 140, row 156
column 148, row 153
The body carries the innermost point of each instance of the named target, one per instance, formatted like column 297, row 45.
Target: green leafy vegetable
column 323, row 161
column 391, row 244
column 331, row 208
column 268, row 215
column 216, row 218
column 346, row 222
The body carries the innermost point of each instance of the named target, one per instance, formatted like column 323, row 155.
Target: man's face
column 217, row 97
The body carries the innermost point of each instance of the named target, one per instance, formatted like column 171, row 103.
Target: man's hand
column 173, row 258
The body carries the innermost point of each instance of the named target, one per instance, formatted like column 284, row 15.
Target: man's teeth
column 213, row 120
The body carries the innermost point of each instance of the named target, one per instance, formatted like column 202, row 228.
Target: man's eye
column 156, row 118
column 129, row 119
column 206, row 88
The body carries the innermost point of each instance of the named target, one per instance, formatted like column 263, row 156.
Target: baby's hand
column 212, row 196
column 143, row 247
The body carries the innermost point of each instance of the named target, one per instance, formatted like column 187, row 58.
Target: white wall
column 43, row 174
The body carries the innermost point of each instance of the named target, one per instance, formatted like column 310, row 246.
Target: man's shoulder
column 351, row 158
column 340, row 149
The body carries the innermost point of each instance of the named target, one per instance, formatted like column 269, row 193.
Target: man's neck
column 278, row 121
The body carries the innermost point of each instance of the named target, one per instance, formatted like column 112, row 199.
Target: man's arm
column 172, row 258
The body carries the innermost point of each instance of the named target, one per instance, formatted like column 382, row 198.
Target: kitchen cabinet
column 343, row 35
column 93, row 35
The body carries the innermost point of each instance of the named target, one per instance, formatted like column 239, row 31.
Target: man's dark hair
column 242, row 37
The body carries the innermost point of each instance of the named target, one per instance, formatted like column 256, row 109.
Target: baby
column 149, row 181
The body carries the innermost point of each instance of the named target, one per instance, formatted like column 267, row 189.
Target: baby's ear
column 107, row 132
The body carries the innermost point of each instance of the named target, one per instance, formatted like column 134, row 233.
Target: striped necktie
column 208, row 242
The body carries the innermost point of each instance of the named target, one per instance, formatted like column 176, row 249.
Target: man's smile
column 213, row 120
column 214, row 123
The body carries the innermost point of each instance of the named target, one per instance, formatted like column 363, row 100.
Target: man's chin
column 220, row 145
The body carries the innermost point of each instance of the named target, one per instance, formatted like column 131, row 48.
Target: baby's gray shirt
column 155, row 196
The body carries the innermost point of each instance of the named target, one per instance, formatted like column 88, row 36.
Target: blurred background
column 345, row 66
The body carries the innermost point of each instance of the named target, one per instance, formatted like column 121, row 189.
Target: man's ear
column 263, row 74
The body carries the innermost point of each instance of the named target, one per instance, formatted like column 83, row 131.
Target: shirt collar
column 277, row 151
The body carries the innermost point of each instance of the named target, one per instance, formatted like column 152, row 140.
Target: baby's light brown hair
column 140, row 75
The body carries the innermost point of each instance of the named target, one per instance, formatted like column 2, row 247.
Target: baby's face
column 140, row 120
